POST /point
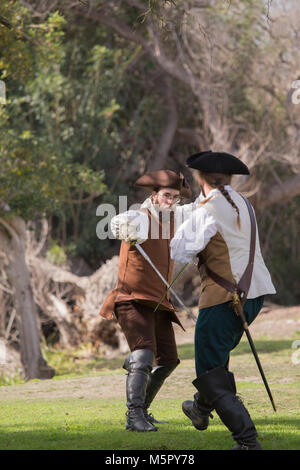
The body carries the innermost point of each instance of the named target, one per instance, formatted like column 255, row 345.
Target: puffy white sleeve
column 193, row 235
column 182, row 213
column 129, row 226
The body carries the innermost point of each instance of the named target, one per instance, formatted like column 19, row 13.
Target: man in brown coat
column 149, row 334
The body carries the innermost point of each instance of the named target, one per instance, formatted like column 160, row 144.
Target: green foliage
column 16, row 57
column 15, row 379
column 56, row 254
column 81, row 361
column 59, row 132
column 39, row 172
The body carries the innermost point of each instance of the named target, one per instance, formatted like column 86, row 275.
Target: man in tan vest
column 139, row 289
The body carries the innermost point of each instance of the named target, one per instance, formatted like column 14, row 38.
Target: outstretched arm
column 193, row 235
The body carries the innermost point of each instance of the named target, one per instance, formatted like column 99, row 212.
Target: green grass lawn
column 69, row 413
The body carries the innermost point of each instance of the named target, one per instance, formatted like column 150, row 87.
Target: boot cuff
column 214, row 383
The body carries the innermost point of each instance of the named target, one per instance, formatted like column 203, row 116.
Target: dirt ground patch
column 102, row 386
column 273, row 321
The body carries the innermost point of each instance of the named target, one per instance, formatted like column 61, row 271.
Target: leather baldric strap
column 242, row 288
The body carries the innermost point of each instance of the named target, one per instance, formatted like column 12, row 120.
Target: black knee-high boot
column 156, row 379
column 198, row 411
column 217, row 387
column 139, row 365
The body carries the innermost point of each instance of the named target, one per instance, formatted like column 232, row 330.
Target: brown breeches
column 145, row 329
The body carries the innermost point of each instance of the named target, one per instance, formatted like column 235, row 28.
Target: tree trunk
column 13, row 239
column 2, row 314
column 168, row 134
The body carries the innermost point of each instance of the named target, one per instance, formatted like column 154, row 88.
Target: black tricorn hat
column 217, row 162
column 165, row 179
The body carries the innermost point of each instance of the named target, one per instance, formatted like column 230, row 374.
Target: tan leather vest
column 216, row 257
column 137, row 280
column 227, row 253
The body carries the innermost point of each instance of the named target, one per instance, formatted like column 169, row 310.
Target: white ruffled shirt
column 217, row 216
column 195, row 233
column 133, row 225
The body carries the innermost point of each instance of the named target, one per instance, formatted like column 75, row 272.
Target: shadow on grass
column 186, row 351
column 176, row 436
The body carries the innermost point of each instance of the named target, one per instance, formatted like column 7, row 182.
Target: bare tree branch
column 280, row 193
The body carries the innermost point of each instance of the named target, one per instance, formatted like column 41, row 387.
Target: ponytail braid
column 227, row 196
column 218, row 181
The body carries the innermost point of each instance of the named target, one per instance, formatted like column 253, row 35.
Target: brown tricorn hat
column 165, row 179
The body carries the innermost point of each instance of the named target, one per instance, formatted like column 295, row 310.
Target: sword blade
column 260, row 368
column 245, row 326
column 147, row 258
column 168, row 288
